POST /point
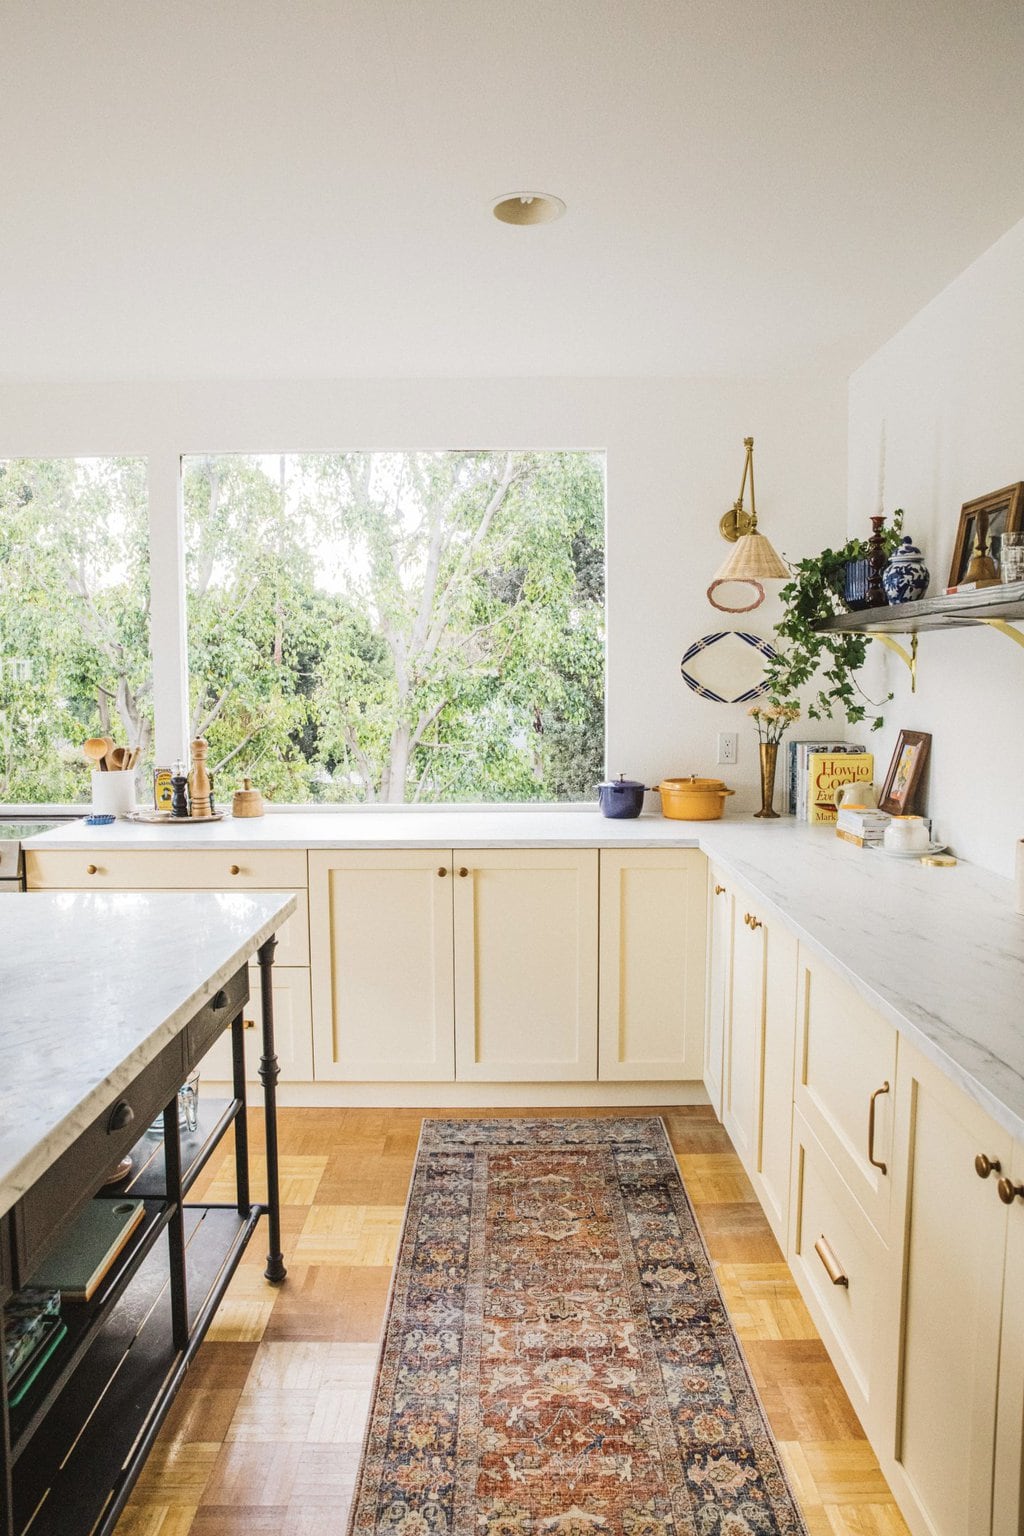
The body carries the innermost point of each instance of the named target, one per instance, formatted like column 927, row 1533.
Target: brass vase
column 769, row 751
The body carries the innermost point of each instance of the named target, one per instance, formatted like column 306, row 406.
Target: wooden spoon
column 117, row 759
column 96, row 749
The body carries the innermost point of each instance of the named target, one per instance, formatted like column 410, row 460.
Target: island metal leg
column 241, row 1125
column 269, row 1073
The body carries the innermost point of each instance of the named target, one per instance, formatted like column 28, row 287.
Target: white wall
column 674, row 456
column 946, row 395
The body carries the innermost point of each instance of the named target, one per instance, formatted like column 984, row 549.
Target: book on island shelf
column 972, row 586
column 89, row 1247
column 827, row 772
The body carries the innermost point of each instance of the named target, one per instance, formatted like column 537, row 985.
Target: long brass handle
column 719, row 890
column 872, row 1159
column 1008, row 1191
column 833, row 1268
column 983, row 1165
column 463, row 872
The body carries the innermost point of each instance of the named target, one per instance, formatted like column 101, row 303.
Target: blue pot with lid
column 621, row 798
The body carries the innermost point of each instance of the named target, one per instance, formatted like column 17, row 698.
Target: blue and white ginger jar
column 906, row 576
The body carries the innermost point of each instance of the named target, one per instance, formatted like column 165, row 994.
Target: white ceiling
column 301, row 188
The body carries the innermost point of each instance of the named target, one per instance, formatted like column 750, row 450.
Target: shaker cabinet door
column 526, row 964
column 653, row 958
column 719, row 983
column 381, row 950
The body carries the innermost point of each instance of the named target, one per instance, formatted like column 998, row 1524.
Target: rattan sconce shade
column 752, row 558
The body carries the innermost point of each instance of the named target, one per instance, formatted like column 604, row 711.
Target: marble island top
column 92, row 987
column 939, row 951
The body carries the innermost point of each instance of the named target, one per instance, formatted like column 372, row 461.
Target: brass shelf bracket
column 1009, row 630
column 909, row 658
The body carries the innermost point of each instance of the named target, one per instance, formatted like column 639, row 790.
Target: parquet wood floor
column 265, row 1435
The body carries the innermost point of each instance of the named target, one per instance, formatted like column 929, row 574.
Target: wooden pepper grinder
column 201, row 805
column 179, row 789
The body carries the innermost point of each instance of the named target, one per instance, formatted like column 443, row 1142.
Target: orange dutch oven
column 693, row 799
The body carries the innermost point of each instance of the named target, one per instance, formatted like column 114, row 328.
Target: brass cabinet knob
column 1009, row 1192
column 983, row 1165
column 751, row 921
column 463, row 872
column 442, row 871
column 719, row 890
column 91, row 869
column 235, row 870
column 248, row 1023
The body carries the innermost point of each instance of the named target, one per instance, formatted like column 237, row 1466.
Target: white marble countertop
column 940, row 952
column 93, row 987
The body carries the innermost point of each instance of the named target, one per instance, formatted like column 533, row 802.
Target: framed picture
column 988, row 517
column 902, row 785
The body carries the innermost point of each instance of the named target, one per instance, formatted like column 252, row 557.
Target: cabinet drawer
column 212, row 1020
column 175, row 870
column 76, row 1176
column 293, row 1032
column 829, row 1230
column 845, row 1058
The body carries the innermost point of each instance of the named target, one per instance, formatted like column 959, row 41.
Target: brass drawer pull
column 463, row 872
column 91, row 869
column 248, row 1023
column 983, row 1165
column 442, row 872
column 872, row 1159
column 719, row 890
column 755, row 922
column 1008, row 1191
column 833, row 1268
column 235, row 870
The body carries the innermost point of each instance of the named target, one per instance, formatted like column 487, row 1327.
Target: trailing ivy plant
column 828, row 661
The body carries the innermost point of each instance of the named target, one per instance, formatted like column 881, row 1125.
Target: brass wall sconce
column 753, row 559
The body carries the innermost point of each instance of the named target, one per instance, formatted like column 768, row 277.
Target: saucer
column 911, row 853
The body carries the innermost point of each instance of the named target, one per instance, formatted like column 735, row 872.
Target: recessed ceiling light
column 527, row 208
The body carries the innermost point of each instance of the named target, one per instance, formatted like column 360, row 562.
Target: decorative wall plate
column 738, row 660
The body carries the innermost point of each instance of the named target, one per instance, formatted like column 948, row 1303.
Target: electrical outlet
column 728, row 746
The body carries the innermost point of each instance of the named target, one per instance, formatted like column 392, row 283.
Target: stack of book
column 32, row 1330
column 798, row 770
column 863, row 826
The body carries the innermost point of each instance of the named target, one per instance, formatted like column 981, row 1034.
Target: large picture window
column 399, row 627
column 74, row 621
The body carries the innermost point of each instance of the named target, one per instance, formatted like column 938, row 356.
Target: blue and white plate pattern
column 758, row 644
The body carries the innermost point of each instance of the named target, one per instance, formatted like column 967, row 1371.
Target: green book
column 89, row 1247
column 52, row 1333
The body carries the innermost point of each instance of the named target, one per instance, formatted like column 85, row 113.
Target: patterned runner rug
column 557, row 1359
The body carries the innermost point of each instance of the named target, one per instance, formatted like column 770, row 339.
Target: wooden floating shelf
column 994, row 606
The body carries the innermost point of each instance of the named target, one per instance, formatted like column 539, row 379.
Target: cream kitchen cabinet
column 845, row 1070
column 653, row 959
column 753, row 1006
column 721, row 902
column 952, row 1319
column 478, row 965
column 381, row 937
column 526, row 964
